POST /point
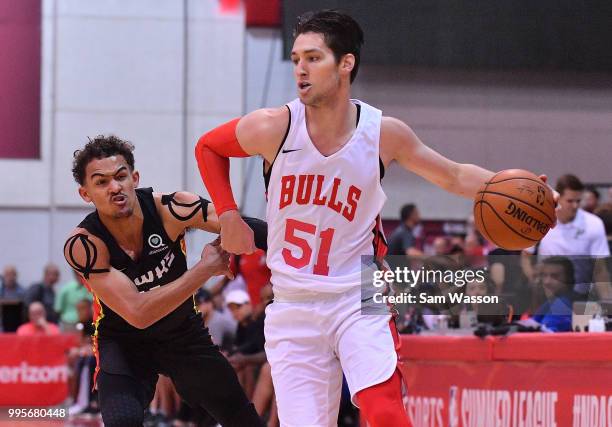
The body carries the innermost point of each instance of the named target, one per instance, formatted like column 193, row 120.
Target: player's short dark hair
column 406, row 211
column 100, row 147
column 568, row 269
column 591, row 189
column 569, row 182
column 342, row 34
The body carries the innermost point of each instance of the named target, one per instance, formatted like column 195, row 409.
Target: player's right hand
column 216, row 261
column 236, row 236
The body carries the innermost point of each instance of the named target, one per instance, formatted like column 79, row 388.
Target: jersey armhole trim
column 267, row 174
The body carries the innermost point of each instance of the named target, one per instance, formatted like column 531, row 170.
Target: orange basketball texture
column 514, row 210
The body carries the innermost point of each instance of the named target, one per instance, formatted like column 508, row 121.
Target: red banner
column 33, row 370
column 535, row 380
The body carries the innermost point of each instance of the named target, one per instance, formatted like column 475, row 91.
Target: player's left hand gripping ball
column 515, row 209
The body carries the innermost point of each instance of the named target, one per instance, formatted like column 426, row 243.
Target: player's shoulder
column 393, row 126
column 395, row 134
column 85, row 252
column 265, row 121
column 177, row 209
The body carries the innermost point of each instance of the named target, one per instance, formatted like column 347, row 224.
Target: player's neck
column 127, row 231
column 331, row 124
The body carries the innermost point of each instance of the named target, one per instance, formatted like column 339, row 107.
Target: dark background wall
column 491, row 34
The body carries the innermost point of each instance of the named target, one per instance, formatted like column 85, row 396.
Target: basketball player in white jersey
column 324, row 157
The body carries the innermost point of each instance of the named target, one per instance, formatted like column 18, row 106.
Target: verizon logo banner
column 33, row 370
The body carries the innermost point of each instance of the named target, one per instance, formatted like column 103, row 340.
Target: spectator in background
column 440, row 246
column 9, row 288
column 578, row 235
column 493, row 313
column 44, row 293
column 604, row 212
column 402, row 241
column 83, row 363
column 590, row 199
column 221, row 328
column 255, row 272
column 38, row 324
column 248, row 351
column 510, row 282
column 556, row 277
column 66, row 302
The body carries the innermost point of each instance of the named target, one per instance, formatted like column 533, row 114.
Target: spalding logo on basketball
column 515, row 209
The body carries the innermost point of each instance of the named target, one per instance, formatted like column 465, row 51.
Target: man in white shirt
column 578, row 235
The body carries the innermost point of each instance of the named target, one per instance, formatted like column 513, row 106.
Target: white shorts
column 309, row 344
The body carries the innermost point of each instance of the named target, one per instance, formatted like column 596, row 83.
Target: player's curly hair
column 342, row 34
column 100, row 147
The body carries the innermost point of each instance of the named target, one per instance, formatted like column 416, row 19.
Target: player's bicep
column 86, row 254
column 400, row 143
column 188, row 210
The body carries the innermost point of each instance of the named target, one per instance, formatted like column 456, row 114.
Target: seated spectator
column 590, row 199
column 66, row 302
column 38, row 324
column 83, row 363
column 556, row 276
column 403, row 241
column 248, row 351
column 221, row 328
column 255, row 272
column 44, row 293
column 12, row 296
column 9, row 287
column 440, row 246
column 492, row 313
column 507, row 274
column 263, row 395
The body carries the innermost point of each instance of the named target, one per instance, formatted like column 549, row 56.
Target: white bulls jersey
column 323, row 211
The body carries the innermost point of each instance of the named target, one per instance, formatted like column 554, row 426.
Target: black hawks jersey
column 161, row 261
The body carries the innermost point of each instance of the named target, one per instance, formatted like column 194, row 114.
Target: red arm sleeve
column 212, row 152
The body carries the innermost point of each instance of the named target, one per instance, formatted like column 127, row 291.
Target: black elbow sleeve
column 260, row 229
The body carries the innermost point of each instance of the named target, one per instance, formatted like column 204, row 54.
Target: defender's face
column 110, row 186
column 314, row 68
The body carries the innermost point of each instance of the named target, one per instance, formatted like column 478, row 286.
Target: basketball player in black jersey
column 130, row 253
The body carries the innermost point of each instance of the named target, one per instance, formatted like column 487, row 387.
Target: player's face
column 111, row 186
column 569, row 203
column 316, row 72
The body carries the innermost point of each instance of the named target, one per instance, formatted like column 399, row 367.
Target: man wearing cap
column 249, row 343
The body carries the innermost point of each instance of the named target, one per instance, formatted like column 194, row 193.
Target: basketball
column 514, row 210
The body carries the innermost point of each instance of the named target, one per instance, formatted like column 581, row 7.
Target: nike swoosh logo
column 289, row 151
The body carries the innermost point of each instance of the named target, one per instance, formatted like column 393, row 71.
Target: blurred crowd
column 561, row 284
column 544, row 288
